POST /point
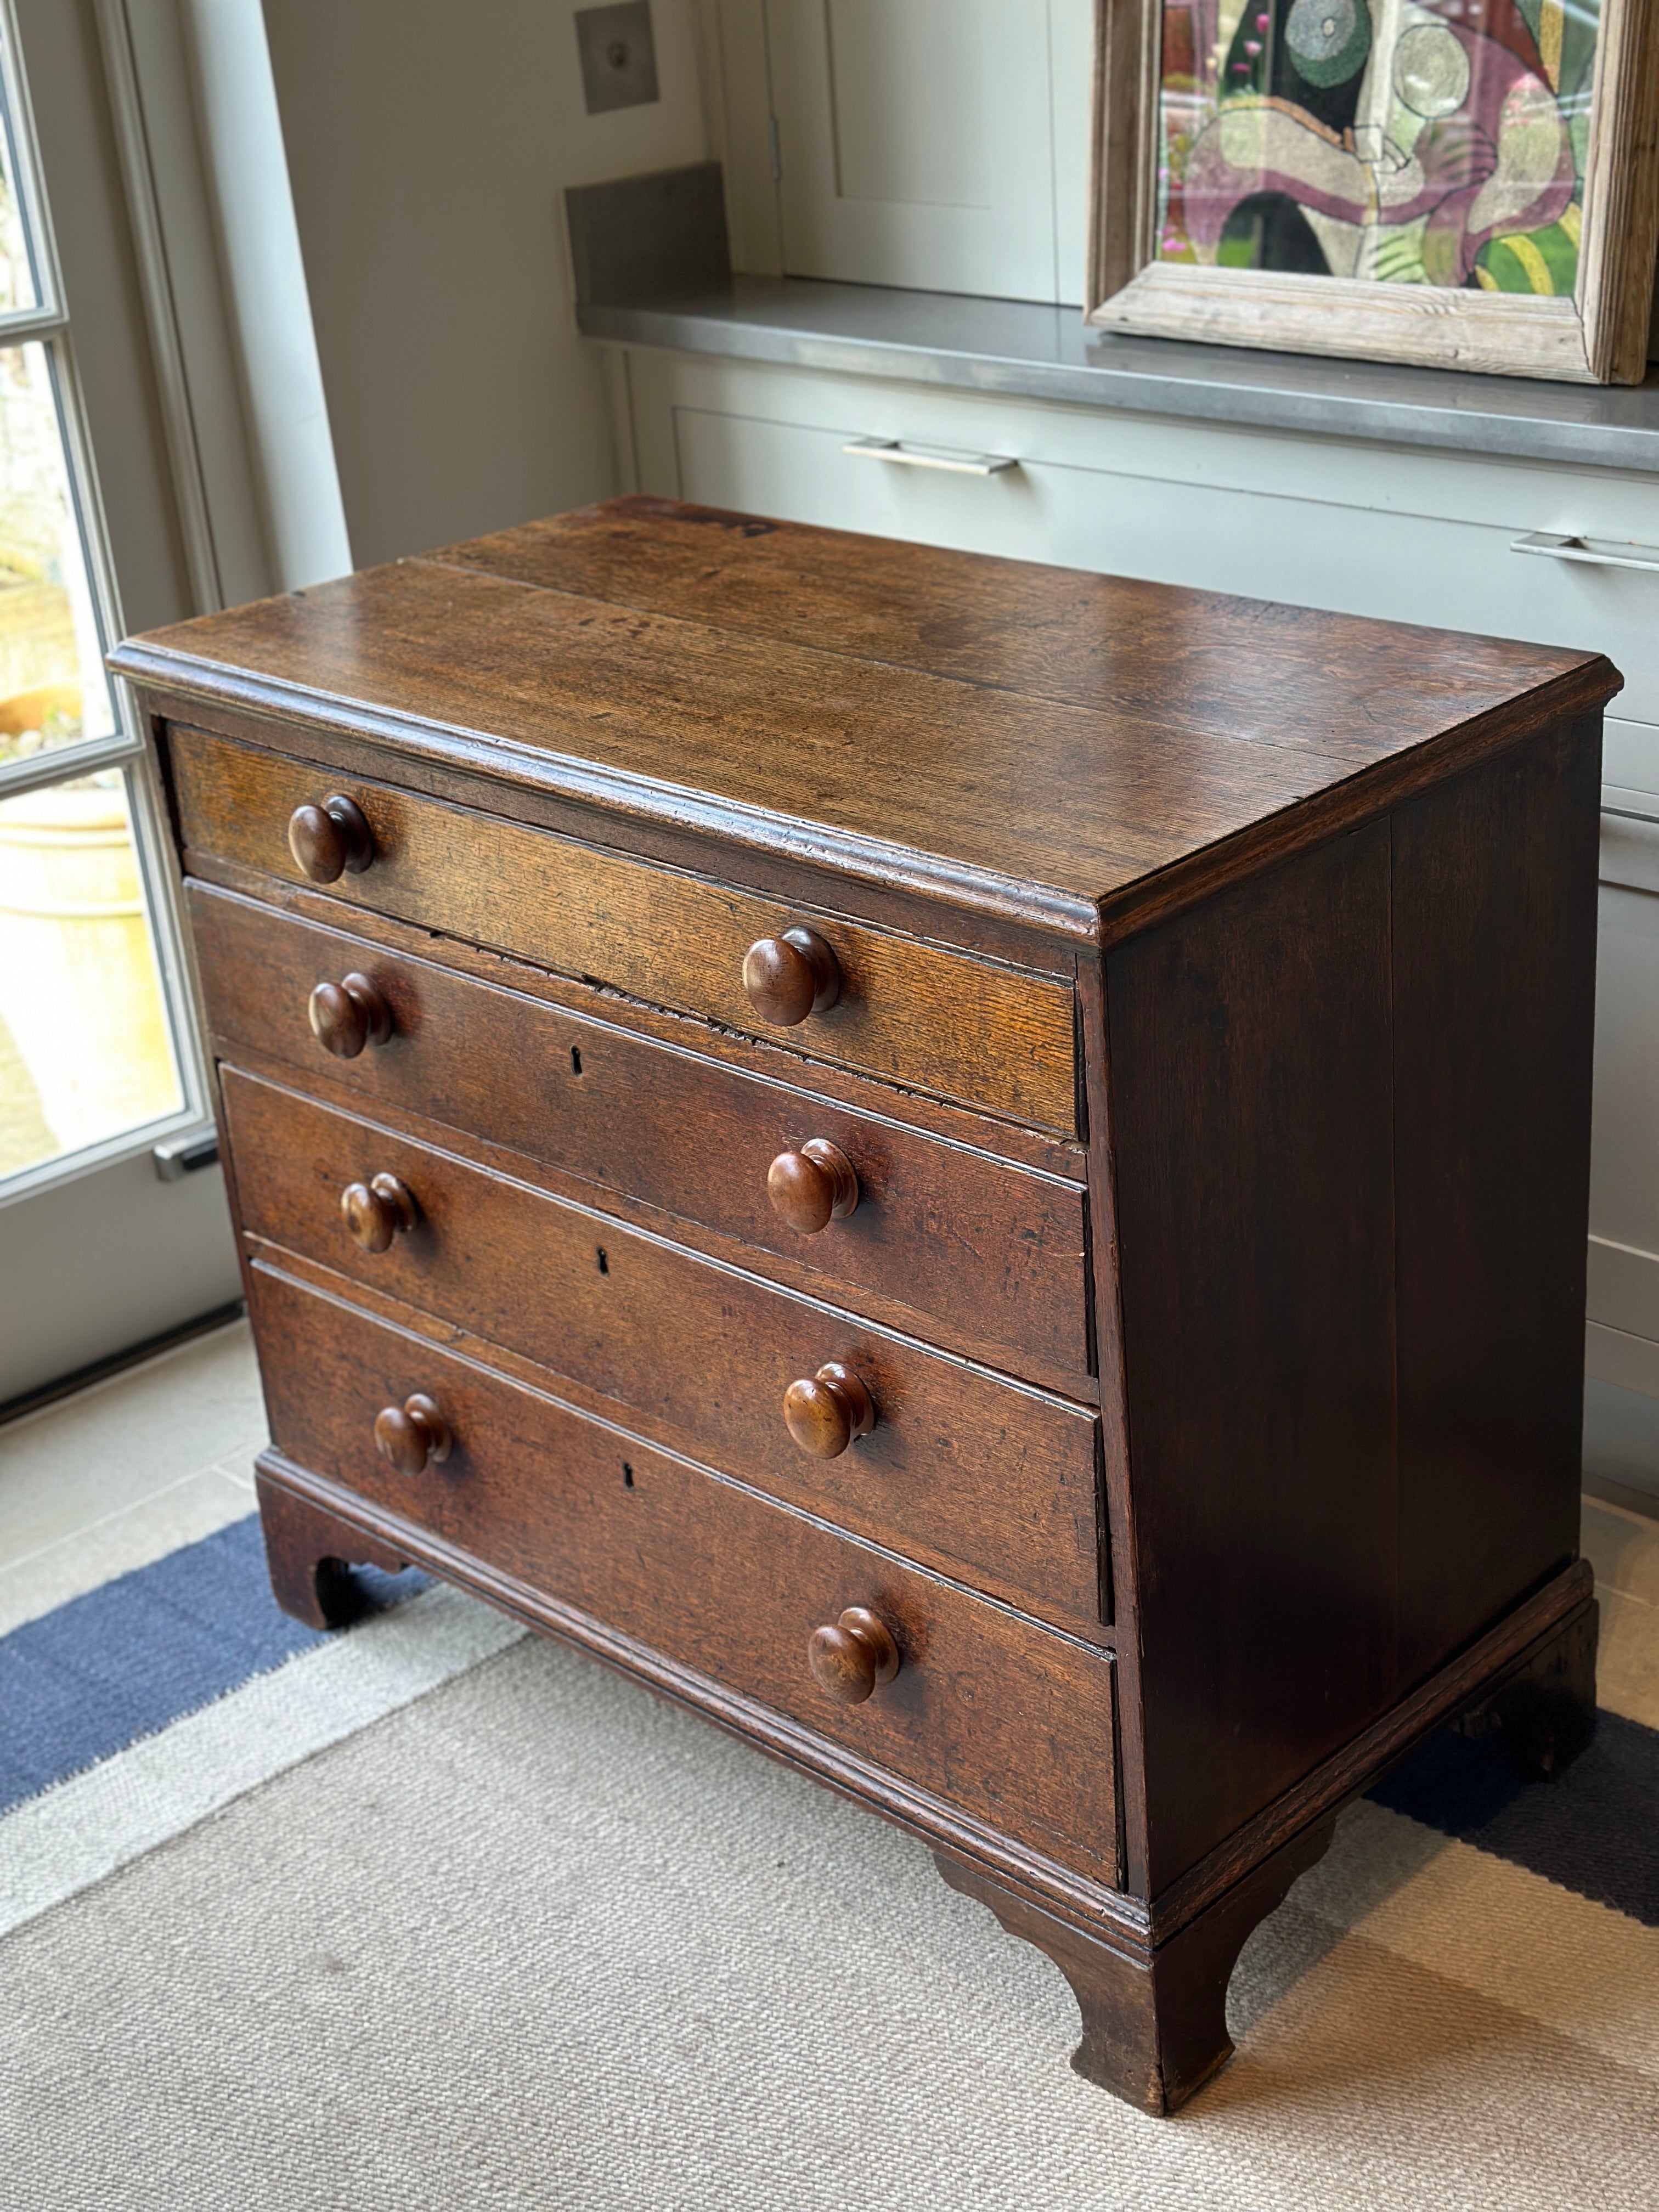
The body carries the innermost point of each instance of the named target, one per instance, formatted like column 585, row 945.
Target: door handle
column 1598, row 552
column 930, row 457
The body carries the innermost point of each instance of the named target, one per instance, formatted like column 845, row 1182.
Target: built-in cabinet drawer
column 993, row 1037
column 994, row 1250
column 1009, row 1720
column 983, row 1479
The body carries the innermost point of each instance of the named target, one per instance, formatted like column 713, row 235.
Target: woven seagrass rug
column 432, row 1915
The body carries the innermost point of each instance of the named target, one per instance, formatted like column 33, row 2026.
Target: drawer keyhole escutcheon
column 413, row 1436
column 813, row 1186
column 826, row 1411
column 348, row 1015
column 854, row 1656
column 377, row 1210
column 327, row 840
column 786, row 978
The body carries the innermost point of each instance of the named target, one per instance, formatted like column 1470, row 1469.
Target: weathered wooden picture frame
column 1564, row 292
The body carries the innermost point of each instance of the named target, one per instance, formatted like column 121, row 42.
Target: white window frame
column 48, row 324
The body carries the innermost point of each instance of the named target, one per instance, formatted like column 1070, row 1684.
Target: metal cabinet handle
column 930, row 457
column 1599, row 552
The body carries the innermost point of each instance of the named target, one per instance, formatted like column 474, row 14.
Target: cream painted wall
column 428, row 145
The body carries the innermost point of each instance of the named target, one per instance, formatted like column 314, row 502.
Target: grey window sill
column 1016, row 351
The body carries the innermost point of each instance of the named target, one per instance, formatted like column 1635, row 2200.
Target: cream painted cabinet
column 941, row 145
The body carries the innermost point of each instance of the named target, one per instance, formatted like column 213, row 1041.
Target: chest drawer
column 1011, row 1721
column 982, row 1478
column 992, row 1247
column 994, row 1037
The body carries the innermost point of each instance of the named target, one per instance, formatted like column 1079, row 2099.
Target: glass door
column 99, row 1061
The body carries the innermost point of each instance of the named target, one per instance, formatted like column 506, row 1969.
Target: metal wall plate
column 619, row 55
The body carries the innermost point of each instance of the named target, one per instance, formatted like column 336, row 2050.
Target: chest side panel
column 1494, row 952
column 1252, row 1100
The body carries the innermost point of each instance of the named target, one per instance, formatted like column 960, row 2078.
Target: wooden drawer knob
column 826, row 1411
column 851, row 1658
column 813, row 1186
column 788, row 977
column 377, row 1210
column 414, row 1435
column 327, row 840
column 348, row 1015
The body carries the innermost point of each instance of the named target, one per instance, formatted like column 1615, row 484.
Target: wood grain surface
column 939, row 1228
column 920, row 778
column 1253, row 1100
column 1194, row 662
column 1494, row 913
column 1005, row 1718
column 776, row 1059
column 987, row 1481
column 989, row 1036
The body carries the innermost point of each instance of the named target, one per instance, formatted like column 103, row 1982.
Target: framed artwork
column 1473, row 183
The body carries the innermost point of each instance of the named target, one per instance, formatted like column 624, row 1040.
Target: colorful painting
column 1404, row 142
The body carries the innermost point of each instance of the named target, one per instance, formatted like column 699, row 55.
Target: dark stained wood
column 326, row 840
column 827, row 1413
column 414, row 1436
column 807, row 876
column 1009, row 1719
column 1154, row 2027
column 762, row 1360
column 938, row 1227
column 987, row 1481
column 986, row 1034
column 1494, row 905
column 852, row 1655
column 1191, row 660
column 1522, row 1639
column 377, row 1210
column 919, row 780
column 309, row 1555
column 1117, row 1517
column 1543, row 1710
column 1254, row 1133
column 1154, row 2016
column 788, row 978
column 349, row 1015
column 813, row 1186
column 775, row 1058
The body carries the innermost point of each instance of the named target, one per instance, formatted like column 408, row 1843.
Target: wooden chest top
column 1068, row 752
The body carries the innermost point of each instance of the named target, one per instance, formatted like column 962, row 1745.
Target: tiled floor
column 1624, row 1550
column 159, row 1456
column 127, row 1471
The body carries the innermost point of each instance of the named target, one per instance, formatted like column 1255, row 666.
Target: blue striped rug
column 124, row 1660
column 524, row 1937
column 131, row 1714
column 129, row 1661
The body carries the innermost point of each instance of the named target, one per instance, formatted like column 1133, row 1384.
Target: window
column 96, row 1053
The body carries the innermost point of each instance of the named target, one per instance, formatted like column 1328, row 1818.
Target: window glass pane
column 52, row 687
column 18, row 288
column 86, row 1050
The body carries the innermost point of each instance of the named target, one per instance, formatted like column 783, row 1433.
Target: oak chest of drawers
column 977, row 1170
